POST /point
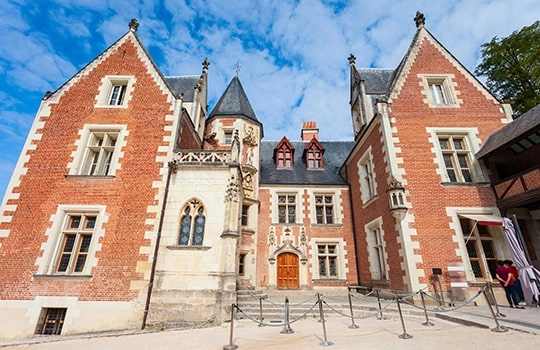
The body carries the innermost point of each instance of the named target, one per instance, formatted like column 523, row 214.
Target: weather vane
column 237, row 68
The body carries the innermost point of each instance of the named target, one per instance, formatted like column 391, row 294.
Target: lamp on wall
column 396, row 197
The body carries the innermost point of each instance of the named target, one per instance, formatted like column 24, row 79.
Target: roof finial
column 133, row 25
column 237, row 68
column 205, row 64
column 419, row 19
column 352, row 59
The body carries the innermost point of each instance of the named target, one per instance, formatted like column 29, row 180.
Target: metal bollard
column 231, row 345
column 380, row 317
column 260, row 313
column 498, row 327
column 325, row 342
column 405, row 335
column 287, row 328
column 353, row 325
column 495, row 300
column 427, row 323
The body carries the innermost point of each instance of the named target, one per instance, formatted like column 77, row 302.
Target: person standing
column 517, row 281
column 506, row 278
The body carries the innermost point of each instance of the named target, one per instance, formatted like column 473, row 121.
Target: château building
column 134, row 206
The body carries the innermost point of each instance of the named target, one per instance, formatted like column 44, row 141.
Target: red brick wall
column 429, row 198
column 126, row 197
column 343, row 231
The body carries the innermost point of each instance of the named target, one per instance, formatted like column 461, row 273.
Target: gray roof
column 517, row 129
column 334, row 155
column 184, row 85
column 234, row 101
column 376, row 80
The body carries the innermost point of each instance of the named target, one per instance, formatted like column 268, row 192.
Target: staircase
column 301, row 304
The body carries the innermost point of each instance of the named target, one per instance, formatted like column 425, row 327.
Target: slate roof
column 335, row 154
column 518, row 128
column 185, row 85
column 234, row 101
column 376, row 80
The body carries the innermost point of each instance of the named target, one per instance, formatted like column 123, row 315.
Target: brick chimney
column 309, row 130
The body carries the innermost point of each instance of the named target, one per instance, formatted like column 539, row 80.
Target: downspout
column 172, row 166
column 353, row 222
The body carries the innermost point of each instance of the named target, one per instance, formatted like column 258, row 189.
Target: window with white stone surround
column 73, row 240
column 115, row 91
column 454, row 149
column 98, row 150
column 366, row 174
column 376, row 250
column 439, row 90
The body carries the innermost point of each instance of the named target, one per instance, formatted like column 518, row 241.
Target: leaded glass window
column 327, row 256
column 192, row 224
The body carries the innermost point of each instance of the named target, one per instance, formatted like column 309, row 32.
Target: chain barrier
column 397, row 298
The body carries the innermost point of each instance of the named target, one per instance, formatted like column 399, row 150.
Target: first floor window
column 192, row 224
column 286, row 208
column 245, row 215
column 75, row 243
column 456, row 157
column 367, row 177
column 327, row 255
column 228, row 137
column 324, row 209
column 99, row 153
column 51, row 321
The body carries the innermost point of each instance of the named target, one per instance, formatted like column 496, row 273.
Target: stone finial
column 352, row 59
column 205, row 64
column 419, row 19
column 133, row 25
column 47, row 95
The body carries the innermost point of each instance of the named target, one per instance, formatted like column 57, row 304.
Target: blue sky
column 292, row 54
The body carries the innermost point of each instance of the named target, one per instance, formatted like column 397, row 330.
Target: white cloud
column 293, row 54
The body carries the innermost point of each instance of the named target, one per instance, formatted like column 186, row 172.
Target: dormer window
column 284, row 154
column 313, row 155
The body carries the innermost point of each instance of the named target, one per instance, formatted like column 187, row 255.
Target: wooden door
column 287, row 271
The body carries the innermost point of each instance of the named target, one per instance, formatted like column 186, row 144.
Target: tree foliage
column 512, row 67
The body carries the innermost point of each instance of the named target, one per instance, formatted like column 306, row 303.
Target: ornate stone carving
column 250, row 135
column 232, row 194
column 419, row 19
column 133, row 25
column 235, row 148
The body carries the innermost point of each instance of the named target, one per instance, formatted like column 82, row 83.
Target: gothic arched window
column 192, row 224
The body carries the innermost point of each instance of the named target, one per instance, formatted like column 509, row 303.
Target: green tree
column 512, row 67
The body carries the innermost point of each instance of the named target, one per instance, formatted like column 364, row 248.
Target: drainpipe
column 353, row 223
column 172, row 165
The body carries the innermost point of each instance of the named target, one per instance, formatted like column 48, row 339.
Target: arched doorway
column 287, row 271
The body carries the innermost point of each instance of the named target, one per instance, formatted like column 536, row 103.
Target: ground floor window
column 51, row 321
column 328, row 260
column 480, row 248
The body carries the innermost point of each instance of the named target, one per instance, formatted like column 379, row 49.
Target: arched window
column 192, row 224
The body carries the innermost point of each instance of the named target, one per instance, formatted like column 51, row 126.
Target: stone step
column 300, row 303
